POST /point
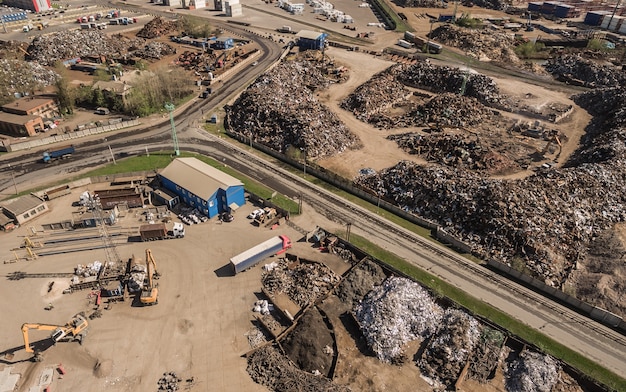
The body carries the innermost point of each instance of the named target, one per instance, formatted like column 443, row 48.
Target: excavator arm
column 40, row 327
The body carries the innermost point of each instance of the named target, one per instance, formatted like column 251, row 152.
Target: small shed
column 311, row 40
column 164, row 197
column 25, row 208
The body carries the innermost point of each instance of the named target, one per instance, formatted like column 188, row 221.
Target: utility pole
column 112, row 156
column 13, row 178
column 348, row 227
column 170, row 108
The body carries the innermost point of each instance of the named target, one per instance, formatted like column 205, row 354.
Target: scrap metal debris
column 280, row 110
column 157, row 27
column 169, row 382
column 448, row 350
column 303, row 282
column 394, row 313
column 531, row 372
column 269, row 367
column 24, row 77
column 574, row 69
column 359, row 281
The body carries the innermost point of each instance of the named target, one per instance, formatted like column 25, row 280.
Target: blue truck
column 59, row 153
column 251, row 257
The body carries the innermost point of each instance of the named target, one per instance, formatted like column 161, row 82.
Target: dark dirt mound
column 359, row 282
column 310, row 344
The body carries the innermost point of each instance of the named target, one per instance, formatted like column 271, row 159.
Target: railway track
column 555, row 317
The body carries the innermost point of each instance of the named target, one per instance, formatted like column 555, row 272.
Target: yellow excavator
column 75, row 330
column 150, row 293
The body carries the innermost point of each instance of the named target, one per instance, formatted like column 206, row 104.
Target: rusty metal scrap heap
column 578, row 70
column 280, row 110
column 157, row 27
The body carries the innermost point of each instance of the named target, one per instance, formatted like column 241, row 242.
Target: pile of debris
column 281, row 111
column 422, row 3
column 532, row 372
column 379, row 93
column 155, row 51
column 157, row 27
column 302, row 281
column 197, row 61
column 447, row 351
column 444, row 79
column 309, row 344
column 47, row 49
column 576, row 70
column 388, row 89
column 169, row 382
column 91, row 269
column 137, row 275
column 395, row 313
column 486, row 354
column 358, row 282
column 456, row 150
column 18, row 76
column 269, row 367
column 484, row 45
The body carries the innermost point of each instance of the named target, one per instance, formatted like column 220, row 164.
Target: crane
column 150, row 293
column 75, row 329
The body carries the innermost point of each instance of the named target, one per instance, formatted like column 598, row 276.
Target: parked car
column 226, row 217
column 255, row 214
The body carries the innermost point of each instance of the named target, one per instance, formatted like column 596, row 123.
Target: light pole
column 112, row 156
column 13, row 177
column 170, row 108
column 303, row 149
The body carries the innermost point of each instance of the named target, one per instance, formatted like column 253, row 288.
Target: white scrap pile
column 303, row 282
column 263, row 307
column 18, row 76
column 91, row 269
column 448, row 350
column 280, row 110
column 531, row 372
column 138, row 274
column 395, row 313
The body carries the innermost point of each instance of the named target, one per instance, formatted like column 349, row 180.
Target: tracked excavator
column 75, row 330
column 150, row 293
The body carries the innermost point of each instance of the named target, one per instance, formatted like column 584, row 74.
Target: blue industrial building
column 223, row 43
column 311, row 40
column 202, row 186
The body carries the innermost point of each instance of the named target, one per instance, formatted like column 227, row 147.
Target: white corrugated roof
column 308, row 34
column 197, row 177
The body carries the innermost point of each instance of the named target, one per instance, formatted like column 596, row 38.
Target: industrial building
column 32, row 5
column 224, row 43
column 26, row 116
column 202, row 186
column 311, row 40
column 20, row 126
column 25, row 208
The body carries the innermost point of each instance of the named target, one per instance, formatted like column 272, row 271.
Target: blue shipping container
column 535, row 6
column 594, row 18
column 563, row 10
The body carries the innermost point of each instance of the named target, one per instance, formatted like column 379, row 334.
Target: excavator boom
column 150, row 294
column 75, row 329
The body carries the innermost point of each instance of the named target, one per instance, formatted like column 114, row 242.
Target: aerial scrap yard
column 504, row 170
column 405, row 336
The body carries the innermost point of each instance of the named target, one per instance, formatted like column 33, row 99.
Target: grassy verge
column 478, row 307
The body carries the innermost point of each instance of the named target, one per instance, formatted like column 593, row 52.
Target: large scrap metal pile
column 484, row 45
column 23, row 76
column 63, row 45
column 575, row 69
column 371, row 101
column 157, row 27
column 543, row 223
column 303, row 282
column 280, row 110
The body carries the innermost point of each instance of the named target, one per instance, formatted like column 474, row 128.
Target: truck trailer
column 251, row 257
column 59, row 153
column 158, row 231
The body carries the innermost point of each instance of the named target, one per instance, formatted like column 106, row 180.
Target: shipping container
column 622, row 28
column 605, row 21
column 564, row 11
column 535, row 6
column 253, row 256
column 548, row 7
column 615, row 23
column 594, row 18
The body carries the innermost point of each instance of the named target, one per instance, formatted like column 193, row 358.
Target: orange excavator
column 150, row 293
column 75, row 330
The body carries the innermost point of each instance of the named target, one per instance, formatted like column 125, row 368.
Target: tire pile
column 280, row 110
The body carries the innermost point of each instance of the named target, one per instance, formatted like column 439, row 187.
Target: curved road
column 581, row 334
